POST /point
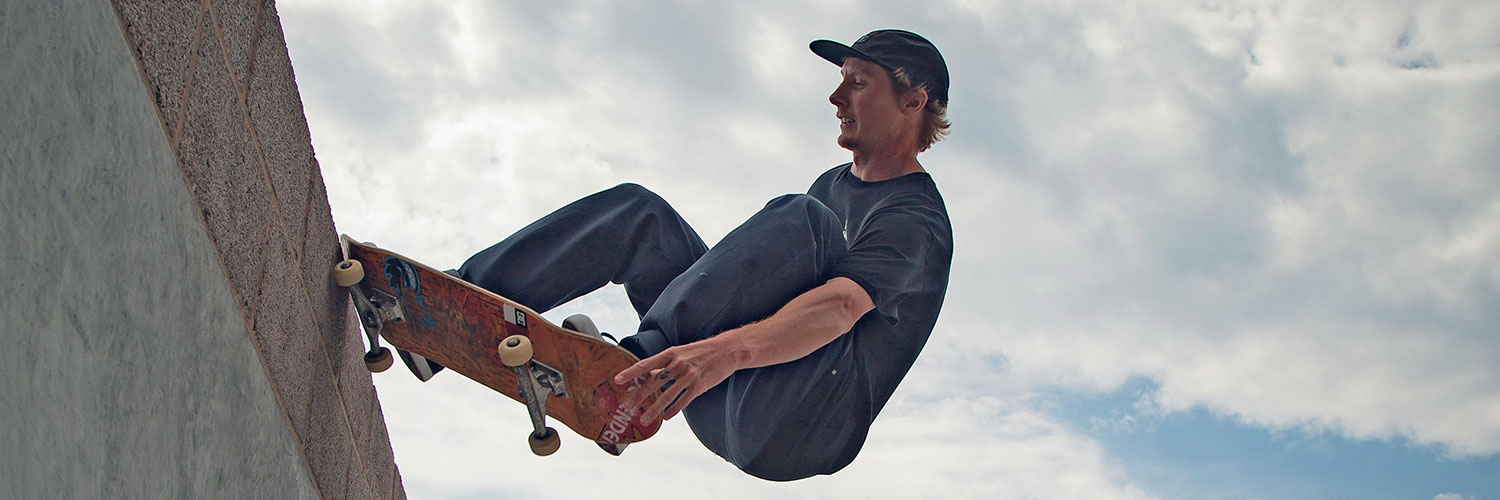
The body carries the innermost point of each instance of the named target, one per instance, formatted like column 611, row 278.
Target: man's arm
column 803, row 325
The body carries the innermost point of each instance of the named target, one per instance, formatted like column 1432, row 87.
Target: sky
column 1203, row 250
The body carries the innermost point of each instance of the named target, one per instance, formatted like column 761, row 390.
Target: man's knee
column 637, row 197
column 802, row 206
column 802, row 203
column 630, row 190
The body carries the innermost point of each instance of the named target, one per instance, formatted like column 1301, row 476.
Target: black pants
column 685, row 292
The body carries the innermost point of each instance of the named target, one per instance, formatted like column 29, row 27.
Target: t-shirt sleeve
column 894, row 256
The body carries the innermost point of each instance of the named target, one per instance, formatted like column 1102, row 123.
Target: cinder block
column 382, row 464
column 320, row 252
column 346, row 338
column 358, row 391
column 295, row 355
column 359, row 397
column 236, row 26
column 276, row 114
column 359, row 484
column 162, row 36
column 289, row 345
column 224, row 174
column 330, row 451
column 399, row 490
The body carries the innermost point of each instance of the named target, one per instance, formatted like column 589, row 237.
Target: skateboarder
column 783, row 342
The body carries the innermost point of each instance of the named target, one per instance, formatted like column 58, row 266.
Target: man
column 783, row 342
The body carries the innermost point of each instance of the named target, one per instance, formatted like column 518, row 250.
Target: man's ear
column 915, row 101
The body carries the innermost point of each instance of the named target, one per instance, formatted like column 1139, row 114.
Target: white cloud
column 1258, row 207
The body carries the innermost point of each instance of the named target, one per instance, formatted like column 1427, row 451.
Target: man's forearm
column 680, row 374
column 803, row 325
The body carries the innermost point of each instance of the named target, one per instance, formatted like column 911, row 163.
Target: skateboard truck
column 537, row 382
column 374, row 307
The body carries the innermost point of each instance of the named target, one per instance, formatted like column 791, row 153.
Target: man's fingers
column 678, row 403
column 652, row 383
column 649, row 386
column 636, row 370
column 671, row 380
column 668, row 396
column 641, row 368
column 665, row 391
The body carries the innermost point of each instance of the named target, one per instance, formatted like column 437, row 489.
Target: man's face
column 868, row 111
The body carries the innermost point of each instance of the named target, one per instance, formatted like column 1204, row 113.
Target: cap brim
column 834, row 52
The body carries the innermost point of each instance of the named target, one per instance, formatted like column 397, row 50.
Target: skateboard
column 563, row 373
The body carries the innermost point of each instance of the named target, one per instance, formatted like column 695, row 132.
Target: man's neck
column 876, row 168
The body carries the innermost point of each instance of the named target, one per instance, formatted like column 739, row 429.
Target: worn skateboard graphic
column 557, row 372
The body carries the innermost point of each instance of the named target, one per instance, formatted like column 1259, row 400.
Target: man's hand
column 809, row 321
column 680, row 374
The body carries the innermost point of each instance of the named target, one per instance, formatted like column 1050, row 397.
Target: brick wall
column 222, row 82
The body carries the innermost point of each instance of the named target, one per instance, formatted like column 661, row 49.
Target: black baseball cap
column 893, row 49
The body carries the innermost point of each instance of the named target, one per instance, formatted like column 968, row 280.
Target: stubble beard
column 848, row 142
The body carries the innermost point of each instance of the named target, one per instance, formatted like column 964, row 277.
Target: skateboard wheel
column 348, row 273
column 581, row 324
column 515, row 350
column 544, row 445
column 379, row 361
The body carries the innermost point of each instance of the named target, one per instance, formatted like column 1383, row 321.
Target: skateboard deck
column 462, row 326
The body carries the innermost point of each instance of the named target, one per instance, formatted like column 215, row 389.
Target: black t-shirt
column 900, row 249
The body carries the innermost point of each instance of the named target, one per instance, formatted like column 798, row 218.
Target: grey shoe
column 423, row 368
column 582, row 324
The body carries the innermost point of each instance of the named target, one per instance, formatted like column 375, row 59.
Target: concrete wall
column 168, row 327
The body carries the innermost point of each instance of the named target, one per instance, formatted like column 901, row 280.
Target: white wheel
column 515, row 350
column 380, row 361
column 545, row 445
column 348, row 273
column 582, row 324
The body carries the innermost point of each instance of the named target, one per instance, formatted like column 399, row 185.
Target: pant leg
column 787, row 248
column 626, row 235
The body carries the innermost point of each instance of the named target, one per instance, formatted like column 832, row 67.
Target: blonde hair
column 935, row 124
